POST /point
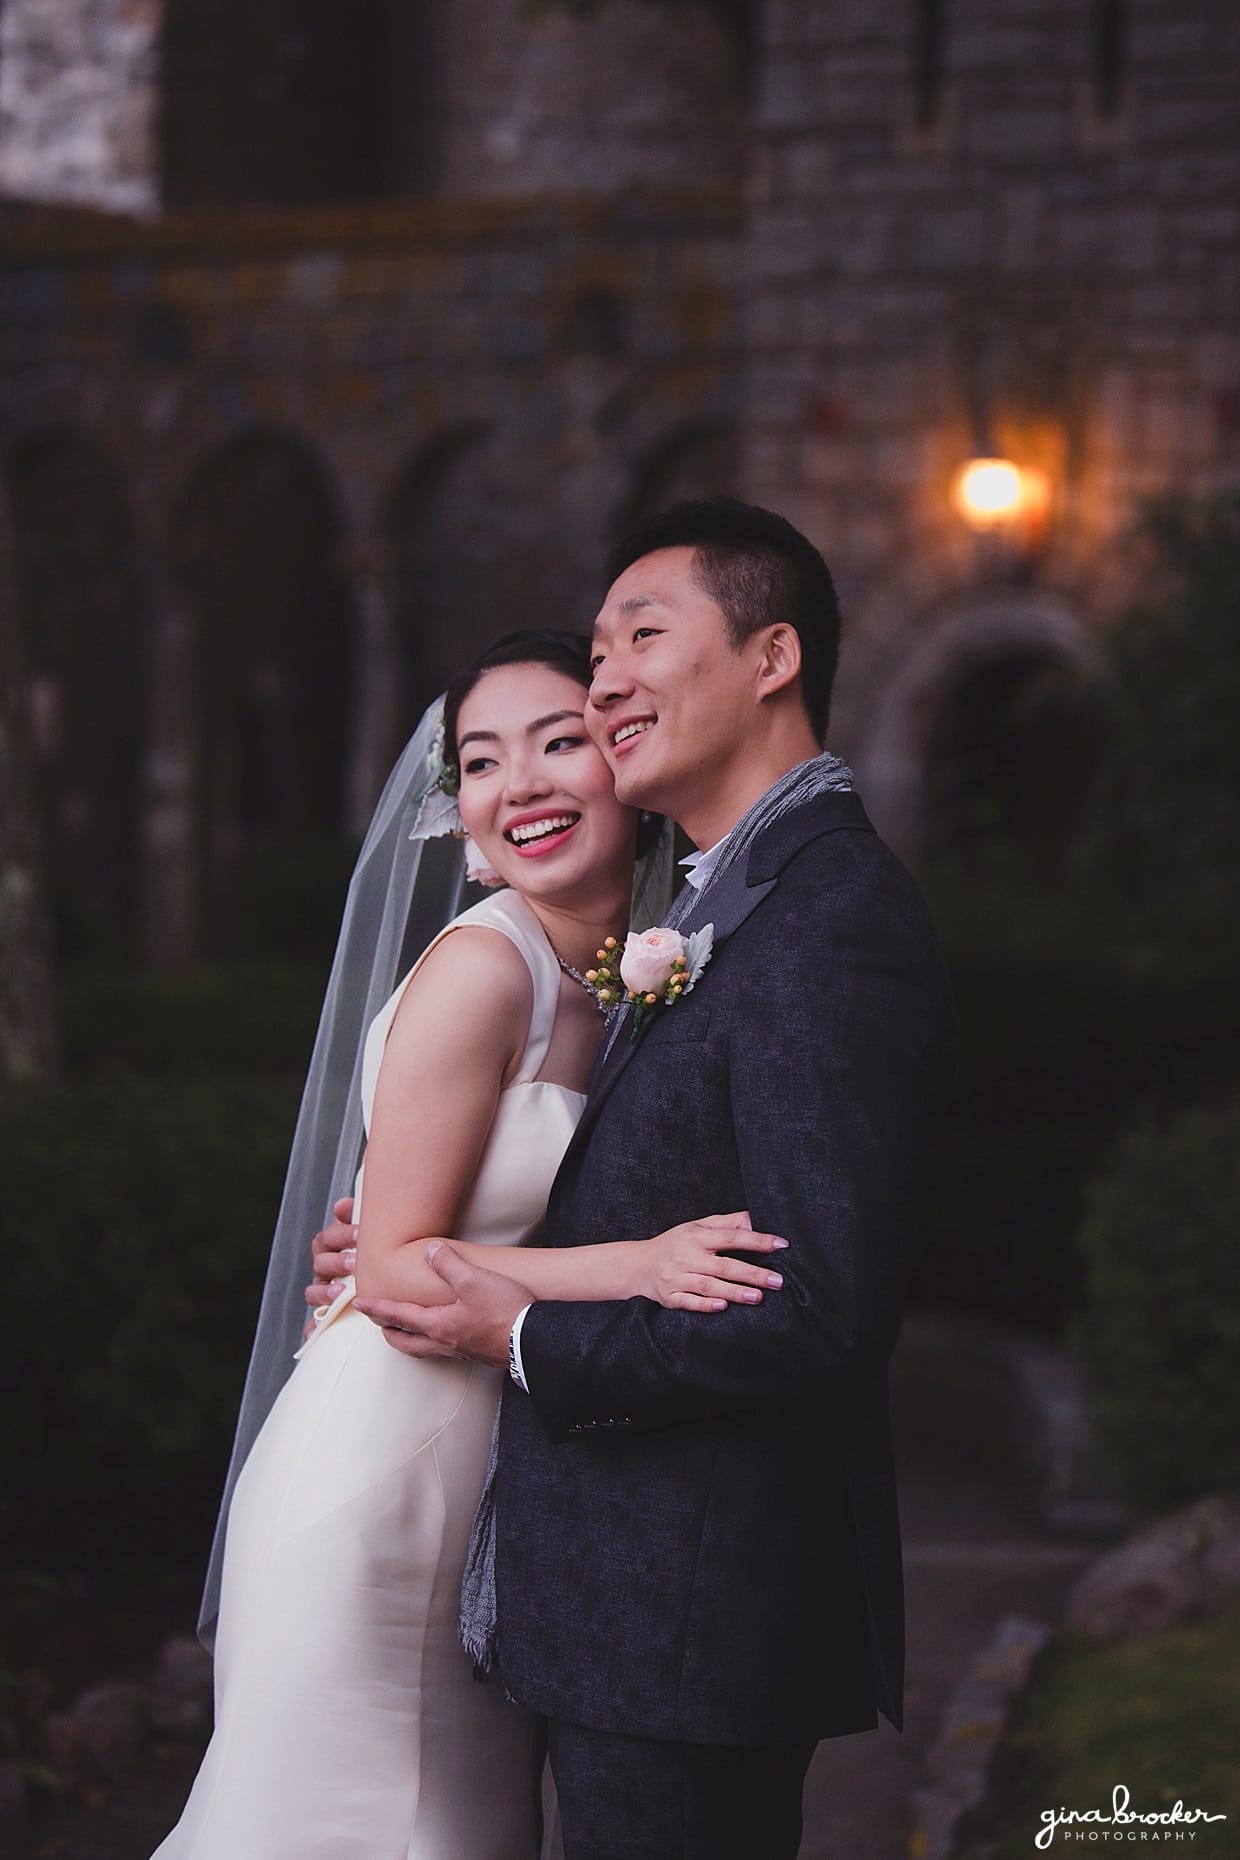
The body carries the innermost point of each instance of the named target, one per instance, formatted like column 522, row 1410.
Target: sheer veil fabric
column 401, row 894
column 404, row 890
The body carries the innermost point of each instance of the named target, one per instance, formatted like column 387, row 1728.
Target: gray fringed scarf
column 824, row 774
column 478, row 1623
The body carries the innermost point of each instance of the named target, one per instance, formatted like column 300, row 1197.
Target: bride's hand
column 689, row 1267
column 333, row 1254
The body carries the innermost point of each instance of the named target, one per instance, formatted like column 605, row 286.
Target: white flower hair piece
column 436, row 810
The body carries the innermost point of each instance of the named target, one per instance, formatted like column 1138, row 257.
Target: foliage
column 144, row 1209
column 291, row 898
column 23, row 1691
column 1160, row 1334
column 1163, row 831
column 1070, row 1030
column 1086, row 1003
column 245, row 1020
column 1157, row 1715
column 1160, row 1716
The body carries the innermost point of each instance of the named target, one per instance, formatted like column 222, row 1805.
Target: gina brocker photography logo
column 1122, row 1822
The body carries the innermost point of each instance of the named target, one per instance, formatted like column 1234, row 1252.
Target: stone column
column 28, row 1042
column 169, row 814
column 78, row 102
column 372, row 729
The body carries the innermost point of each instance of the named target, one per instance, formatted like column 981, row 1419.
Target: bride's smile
column 535, row 834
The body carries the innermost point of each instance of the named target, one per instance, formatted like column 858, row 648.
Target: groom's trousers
column 633, row 1798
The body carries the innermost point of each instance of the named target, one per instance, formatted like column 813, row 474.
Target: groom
column 698, row 1554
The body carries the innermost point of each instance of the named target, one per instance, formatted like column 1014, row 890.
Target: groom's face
column 673, row 698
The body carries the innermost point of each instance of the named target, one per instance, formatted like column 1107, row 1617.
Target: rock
column 181, row 1690
column 1183, row 1566
column 958, row 1763
column 1220, row 1556
column 978, row 1708
column 934, row 1818
column 109, row 1725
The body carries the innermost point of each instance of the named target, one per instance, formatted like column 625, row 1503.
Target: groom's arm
column 834, row 1088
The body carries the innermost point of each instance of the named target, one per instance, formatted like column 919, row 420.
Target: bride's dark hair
column 561, row 652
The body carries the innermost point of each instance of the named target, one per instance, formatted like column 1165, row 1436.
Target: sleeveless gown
column 348, row 1724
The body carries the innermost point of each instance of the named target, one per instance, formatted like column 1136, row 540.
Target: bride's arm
column 687, row 1268
column 456, row 1034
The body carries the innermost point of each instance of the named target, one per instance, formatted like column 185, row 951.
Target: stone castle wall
column 1023, row 261
column 628, row 94
column 470, row 399
column 131, row 105
column 576, row 267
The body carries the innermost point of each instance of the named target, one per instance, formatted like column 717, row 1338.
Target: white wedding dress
column 348, row 1722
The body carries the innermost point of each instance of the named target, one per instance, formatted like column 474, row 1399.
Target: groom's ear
column 779, row 662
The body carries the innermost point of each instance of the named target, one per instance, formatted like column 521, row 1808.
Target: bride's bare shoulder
column 473, row 989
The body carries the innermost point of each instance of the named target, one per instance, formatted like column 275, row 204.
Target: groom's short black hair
column 758, row 569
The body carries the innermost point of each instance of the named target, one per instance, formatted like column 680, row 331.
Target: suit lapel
column 726, row 905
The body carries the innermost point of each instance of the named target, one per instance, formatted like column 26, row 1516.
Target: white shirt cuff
column 516, row 1367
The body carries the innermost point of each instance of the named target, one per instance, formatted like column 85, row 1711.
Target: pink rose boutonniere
column 660, row 966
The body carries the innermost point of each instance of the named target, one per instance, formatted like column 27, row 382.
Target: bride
column 347, row 1719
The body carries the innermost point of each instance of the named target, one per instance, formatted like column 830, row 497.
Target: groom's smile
column 626, row 733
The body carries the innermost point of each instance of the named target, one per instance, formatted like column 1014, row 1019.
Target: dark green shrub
column 1057, row 1060
column 1163, row 830
column 246, row 1019
column 1085, row 1000
column 1160, row 1334
column 138, row 1214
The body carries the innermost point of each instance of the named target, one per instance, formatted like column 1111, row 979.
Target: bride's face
column 536, row 795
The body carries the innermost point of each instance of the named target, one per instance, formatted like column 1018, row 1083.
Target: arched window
column 1009, row 759
column 694, row 460
column 254, row 547
column 982, row 731
column 443, row 533
column 83, row 622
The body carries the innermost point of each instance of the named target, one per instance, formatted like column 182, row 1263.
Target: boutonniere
column 660, row 966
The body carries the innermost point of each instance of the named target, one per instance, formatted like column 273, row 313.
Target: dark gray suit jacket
column 697, row 1527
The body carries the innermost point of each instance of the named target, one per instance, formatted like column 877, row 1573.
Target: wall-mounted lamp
column 997, row 497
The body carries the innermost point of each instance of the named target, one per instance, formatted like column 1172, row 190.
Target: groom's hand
column 477, row 1324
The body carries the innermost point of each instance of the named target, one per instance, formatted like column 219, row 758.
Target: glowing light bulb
column 989, row 492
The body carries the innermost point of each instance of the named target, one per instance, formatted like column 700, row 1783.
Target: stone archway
column 255, row 552
column 1016, row 628
column 445, row 536
column 83, row 620
column 698, row 458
